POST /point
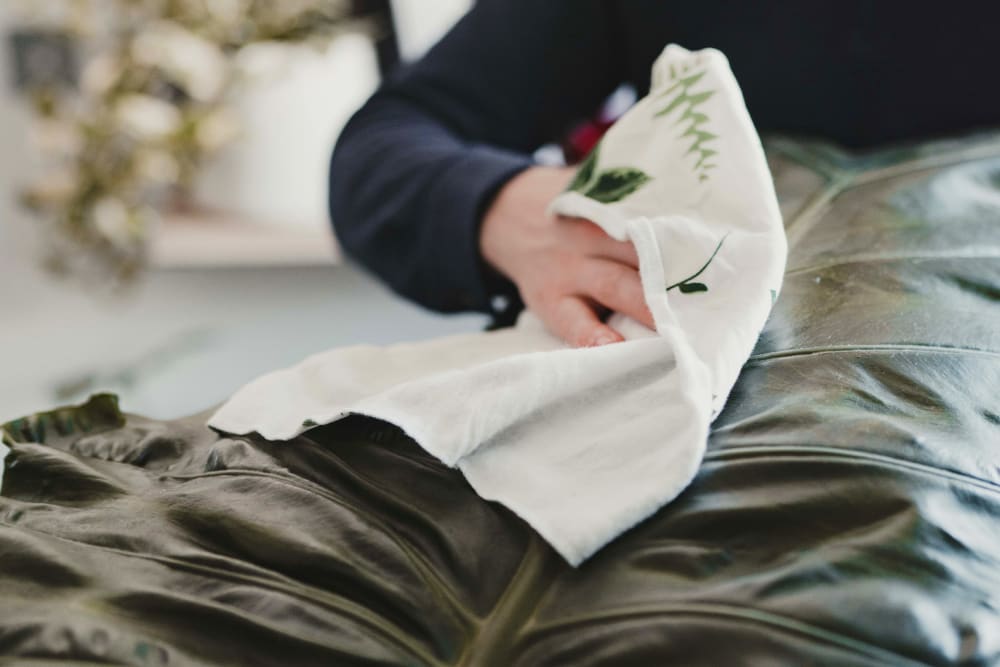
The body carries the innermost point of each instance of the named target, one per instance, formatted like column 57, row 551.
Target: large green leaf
column 846, row 512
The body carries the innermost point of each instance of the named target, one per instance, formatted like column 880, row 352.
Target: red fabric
column 582, row 139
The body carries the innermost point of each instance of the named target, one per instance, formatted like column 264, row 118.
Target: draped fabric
column 847, row 513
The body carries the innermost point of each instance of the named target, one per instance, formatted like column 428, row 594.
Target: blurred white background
column 255, row 288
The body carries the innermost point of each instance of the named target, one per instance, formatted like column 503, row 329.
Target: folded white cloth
column 585, row 443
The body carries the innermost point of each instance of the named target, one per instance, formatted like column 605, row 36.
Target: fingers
column 615, row 286
column 571, row 319
column 594, row 242
column 569, row 272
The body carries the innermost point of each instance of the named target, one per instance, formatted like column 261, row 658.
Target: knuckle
column 611, row 282
column 548, row 295
column 591, row 236
column 589, row 230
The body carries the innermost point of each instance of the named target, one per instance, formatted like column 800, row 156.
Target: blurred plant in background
column 150, row 107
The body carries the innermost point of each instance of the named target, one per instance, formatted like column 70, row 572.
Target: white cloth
column 585, row 443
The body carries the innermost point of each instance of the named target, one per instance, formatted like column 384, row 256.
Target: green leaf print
column 585, row 172
column 609, row 185
column 686, row 286
column 689, row 103
column 613, row 185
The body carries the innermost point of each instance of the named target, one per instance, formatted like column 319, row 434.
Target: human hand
column 568, row 270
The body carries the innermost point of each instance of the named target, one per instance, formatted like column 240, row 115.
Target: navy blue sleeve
column 416, row 168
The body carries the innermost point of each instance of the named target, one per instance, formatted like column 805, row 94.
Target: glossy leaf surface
column 847, row 513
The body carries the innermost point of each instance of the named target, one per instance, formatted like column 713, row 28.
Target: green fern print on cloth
column 690, row 102
column 611, row 185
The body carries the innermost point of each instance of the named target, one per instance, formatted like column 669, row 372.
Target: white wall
column 276, row 173
column 421, row 23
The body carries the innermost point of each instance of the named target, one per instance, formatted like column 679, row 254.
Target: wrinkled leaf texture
column 847, row 512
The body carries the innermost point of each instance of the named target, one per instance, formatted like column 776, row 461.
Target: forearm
column 418, row 165
column 406, row 199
